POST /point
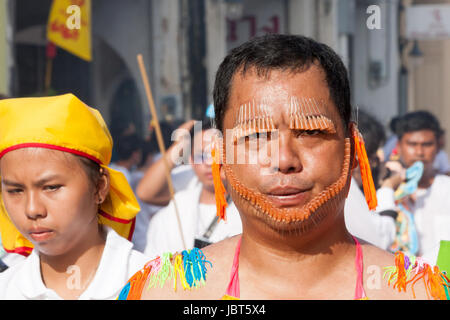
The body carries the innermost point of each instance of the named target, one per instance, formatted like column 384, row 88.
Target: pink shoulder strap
column 233, row 285
column 359, row 290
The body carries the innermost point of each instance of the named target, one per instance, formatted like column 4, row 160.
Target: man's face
column 418, row 146
column 308, row 161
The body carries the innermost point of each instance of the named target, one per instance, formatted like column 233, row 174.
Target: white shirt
column 11, row 259
column 431, row 215
column 363, row 223
column 441, row 162
column 119, row 262
column 181, row 176
column 206, row 214
column 163, row 233
column 143, row 217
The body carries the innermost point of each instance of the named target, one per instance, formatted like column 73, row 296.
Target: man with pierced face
column 291, row 92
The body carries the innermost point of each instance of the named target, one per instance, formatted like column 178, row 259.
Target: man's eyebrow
column 252, row 118
column 419, row 142
column 306, row 114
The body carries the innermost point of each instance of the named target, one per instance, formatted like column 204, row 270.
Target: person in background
column 152, row 187
column 150, row 180
column 418, row 199
column 196, row 206
column 441, row 161
column 129, row 154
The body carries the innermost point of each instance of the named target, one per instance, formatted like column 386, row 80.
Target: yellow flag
column 69, row 26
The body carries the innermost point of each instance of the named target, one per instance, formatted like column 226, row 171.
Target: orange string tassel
column 436, row 284
column 219, row 189
column 137, row 284
column 400, row 283
column 366, row 174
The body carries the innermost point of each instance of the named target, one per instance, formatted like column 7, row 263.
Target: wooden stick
column 160, row 140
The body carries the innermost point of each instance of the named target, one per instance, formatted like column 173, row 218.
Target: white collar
column 111, row 275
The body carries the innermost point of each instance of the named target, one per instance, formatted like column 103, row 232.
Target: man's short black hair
column 125, row 145
column 372, row 131
column 282, row 52
column 417, row 121
column 393, row 124
column 205, row 125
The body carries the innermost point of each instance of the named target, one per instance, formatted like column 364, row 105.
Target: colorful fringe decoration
column 194, row 263
column 409, row 270
column 219, row 189
column 227, row 297
column 366, row 173
column 190, row 266
column 406, row 238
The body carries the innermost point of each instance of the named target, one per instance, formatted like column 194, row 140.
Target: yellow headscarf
column 64, row 123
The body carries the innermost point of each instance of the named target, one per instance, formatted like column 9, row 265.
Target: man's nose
column 35, row 208
column 419, row 151
column 288, row 154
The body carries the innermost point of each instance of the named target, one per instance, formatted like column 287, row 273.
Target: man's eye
column 310, row 132
column 259, row 135
column 52, row 187
column 13, row 191
column 252, row 136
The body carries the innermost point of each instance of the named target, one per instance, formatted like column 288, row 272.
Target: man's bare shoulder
column 379, row 265
column 220, row 260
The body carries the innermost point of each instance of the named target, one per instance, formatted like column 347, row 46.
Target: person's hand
column 175, row 151
column 187, row 125
column 397, row 176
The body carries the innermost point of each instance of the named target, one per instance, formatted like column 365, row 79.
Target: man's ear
column 352, row 130
column 222, row 174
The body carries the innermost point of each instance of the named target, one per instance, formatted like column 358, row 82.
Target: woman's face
column 49, row 198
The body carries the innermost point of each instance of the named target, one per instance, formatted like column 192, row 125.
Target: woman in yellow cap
column 61, row 206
